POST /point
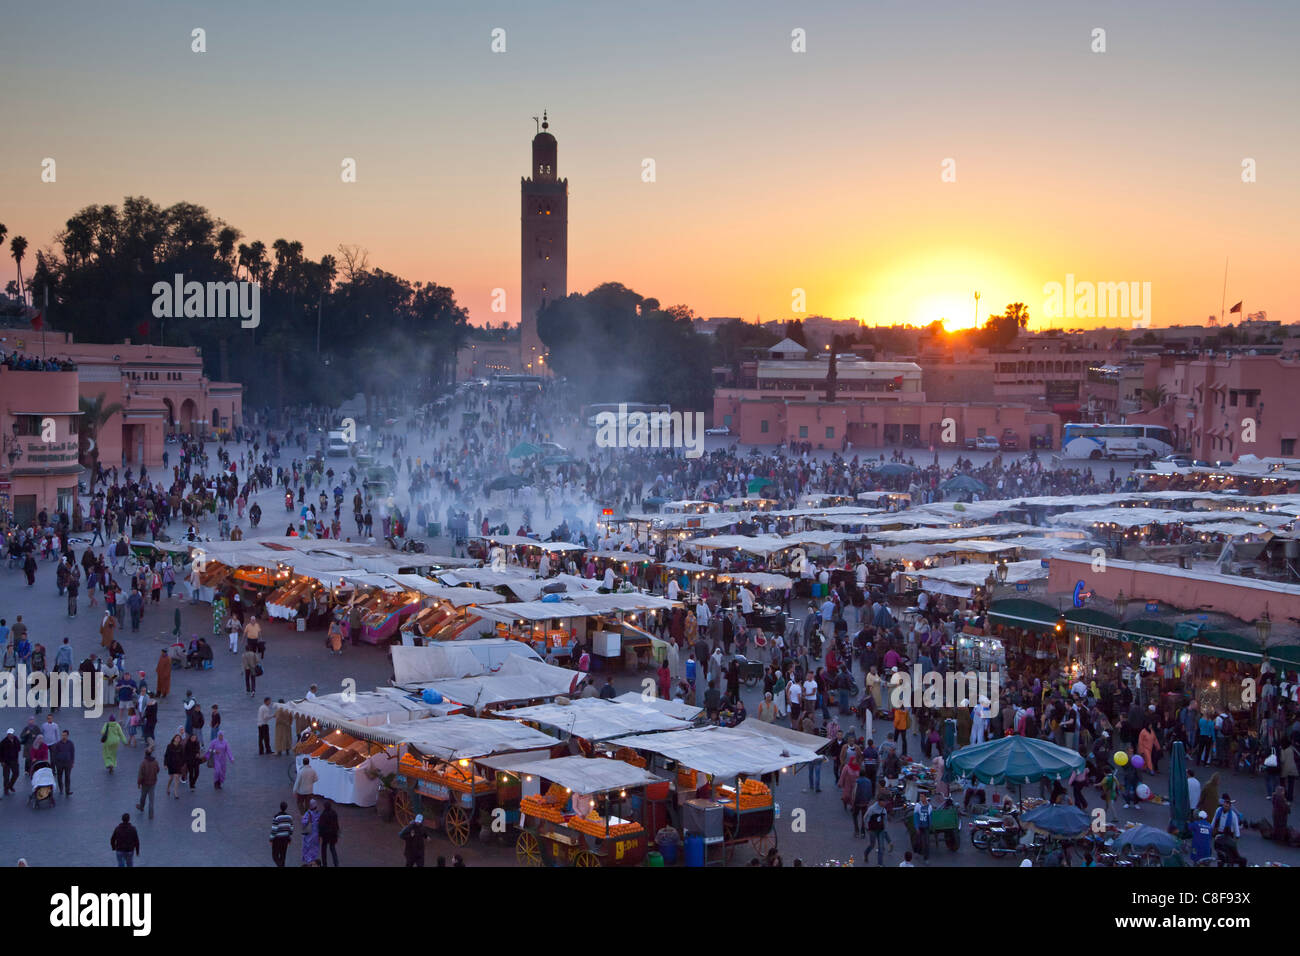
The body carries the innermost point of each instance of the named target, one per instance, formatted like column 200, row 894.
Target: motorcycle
column 999, row 835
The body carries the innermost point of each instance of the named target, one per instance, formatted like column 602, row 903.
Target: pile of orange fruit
column 536, row 805
column 628, row 755
column 687, row 780
column 754, row 795
column 593, row 825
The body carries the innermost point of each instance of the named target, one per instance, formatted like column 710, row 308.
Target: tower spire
column 545, row 124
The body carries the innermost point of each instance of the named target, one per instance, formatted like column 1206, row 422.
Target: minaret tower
column 544, row 231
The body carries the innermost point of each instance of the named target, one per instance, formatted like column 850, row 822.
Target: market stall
column 349, row 765
column 437, row 773
column 576, row 811
column 751, row 756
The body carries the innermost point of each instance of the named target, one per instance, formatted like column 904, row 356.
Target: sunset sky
column 775, row 170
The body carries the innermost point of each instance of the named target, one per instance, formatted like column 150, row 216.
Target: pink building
column 1221, row 407
column 39, row 421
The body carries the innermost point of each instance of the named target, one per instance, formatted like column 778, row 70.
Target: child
column 233, row 625
column 132, row 725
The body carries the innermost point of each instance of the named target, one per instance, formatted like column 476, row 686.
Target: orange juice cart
column 573, row 812
column 438, row 774
column 710, row 764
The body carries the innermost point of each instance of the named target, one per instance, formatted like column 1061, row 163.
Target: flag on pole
column 1236, row 308
column 142, row 330
column 38, row 323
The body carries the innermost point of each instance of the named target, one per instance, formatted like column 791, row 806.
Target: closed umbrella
column 1180, row 810
column 1058, row 820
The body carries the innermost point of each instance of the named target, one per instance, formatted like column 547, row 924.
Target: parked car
column 1010, row 440
column 1178, row 461
column 718, row 430
column 987, row 443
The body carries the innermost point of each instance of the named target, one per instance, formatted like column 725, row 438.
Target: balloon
column 1144, row 792
column 1120, row 758
column 1138, row 762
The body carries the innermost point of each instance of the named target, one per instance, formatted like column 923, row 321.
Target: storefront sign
column 1153, row 607
column 1022, row 585
column 1081, row 594
column 1094, row 630
column 56, row 453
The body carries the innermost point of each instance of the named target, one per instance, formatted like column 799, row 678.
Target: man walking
column 147, row 780
column 125, row 842
column 264, row 715
column 62, row 756
column 281, row 833
column 10, row 750
column 304, row 784
column 251, row 667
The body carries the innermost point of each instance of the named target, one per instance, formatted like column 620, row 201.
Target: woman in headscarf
column 1281, row 807
column 311, row 835
column 111, row 737
column 1146, row 744
column 220, row 757
column 767, row 708
column 849, row 782
column 163, row 683
column 40, row 750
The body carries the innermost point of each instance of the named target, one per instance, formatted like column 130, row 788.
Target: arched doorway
column 171, row 416
column 216, row 418
column 189, row 415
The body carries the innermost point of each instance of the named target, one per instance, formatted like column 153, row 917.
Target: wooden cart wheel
column 528, row 850
column 456, row 822
column 586, row 858
column 403, row 809
column 762, row 844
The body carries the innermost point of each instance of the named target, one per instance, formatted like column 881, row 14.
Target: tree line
column 329, row 327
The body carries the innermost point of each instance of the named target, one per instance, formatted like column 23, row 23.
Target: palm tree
column 1020, row 312
column 1155, row 397
column 18, row 249
column 94, row 416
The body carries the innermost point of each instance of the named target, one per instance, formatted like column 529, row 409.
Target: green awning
column 1025, row 613
column 1041, row 618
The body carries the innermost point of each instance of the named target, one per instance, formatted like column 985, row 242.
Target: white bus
column 1090, row 440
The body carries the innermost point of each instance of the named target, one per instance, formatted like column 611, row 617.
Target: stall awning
column 728, row 751
column 586, row 775
column 459, row 736
column 594, row 719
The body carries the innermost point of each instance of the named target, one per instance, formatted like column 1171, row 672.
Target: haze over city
column 774, row 170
